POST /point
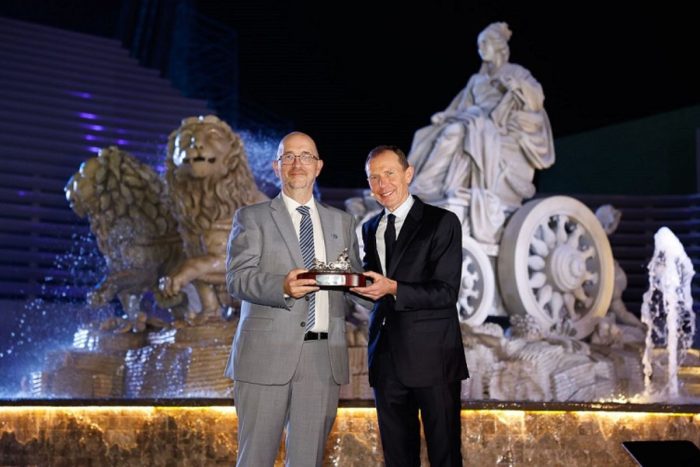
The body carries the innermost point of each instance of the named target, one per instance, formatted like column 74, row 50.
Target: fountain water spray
column 667, row 310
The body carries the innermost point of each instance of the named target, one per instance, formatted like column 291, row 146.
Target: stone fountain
column 163, row 239
column 543, row 266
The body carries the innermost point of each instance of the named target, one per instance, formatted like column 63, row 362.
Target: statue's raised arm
column 485, row 147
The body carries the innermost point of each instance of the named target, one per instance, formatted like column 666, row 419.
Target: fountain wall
column 204, row 433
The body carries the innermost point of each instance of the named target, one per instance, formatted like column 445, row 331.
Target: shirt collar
column 402, row 211
column 292, row 204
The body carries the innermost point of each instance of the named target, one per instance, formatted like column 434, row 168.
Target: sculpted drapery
column 485, row 147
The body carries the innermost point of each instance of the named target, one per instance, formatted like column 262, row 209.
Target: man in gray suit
column 289, row 356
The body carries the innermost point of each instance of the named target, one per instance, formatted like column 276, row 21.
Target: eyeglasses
column 305, row 158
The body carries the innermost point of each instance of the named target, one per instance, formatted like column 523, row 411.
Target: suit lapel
column 409, row 229
column 283, row 220
column 371, row 246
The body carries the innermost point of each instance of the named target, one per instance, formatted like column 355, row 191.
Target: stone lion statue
column 125, row 203
column 208, row 179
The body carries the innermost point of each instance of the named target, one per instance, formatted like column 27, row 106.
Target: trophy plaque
column 335, row 274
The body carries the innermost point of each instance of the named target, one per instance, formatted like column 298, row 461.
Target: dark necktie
column 306, row 242
column 389, row 239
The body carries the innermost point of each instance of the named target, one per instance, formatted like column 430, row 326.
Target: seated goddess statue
column 485, row 147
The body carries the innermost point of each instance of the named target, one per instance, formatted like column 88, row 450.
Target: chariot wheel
column 556, row 265
column 478, row 284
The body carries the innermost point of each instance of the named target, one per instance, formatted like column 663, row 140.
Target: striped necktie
column 306, row 242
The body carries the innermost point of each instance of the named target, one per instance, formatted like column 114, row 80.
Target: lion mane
column 203, row 204
column 128, row 213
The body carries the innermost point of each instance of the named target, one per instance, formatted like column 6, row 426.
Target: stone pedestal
column 81, row 374
column 178, row 362
column 184, row 362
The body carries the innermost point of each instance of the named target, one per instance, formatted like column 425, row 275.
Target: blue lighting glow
column 82, row 94
column 38, row 326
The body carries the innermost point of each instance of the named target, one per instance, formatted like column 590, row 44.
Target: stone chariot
column 548, row 259
column 553, row 263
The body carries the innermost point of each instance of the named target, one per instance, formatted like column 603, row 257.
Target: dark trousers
column 399, row 426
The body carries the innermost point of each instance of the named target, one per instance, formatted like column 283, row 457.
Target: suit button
column 303, row 323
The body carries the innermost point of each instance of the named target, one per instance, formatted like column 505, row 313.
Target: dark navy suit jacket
column 422, row 323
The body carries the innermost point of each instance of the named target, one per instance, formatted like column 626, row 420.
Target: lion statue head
column 208, row 173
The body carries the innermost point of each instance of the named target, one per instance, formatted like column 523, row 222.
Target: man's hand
column 380, row 286
column 297, row 288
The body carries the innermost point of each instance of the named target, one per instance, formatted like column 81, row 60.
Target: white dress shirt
column 321, row 307
column 401, row 212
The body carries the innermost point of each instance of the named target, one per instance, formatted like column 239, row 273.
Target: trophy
column 334, row 274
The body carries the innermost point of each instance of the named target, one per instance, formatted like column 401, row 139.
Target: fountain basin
column 203, row 432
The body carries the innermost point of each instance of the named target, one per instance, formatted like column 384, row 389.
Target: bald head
column 297, row 138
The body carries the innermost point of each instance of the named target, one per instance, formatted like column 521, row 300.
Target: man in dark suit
column 416, row 358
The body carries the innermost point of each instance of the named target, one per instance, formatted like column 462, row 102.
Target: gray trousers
column 306, row 407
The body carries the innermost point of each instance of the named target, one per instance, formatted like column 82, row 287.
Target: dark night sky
column 357, row 74
column 373, row 73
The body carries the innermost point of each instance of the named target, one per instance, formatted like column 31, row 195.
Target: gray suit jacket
column 262, row 249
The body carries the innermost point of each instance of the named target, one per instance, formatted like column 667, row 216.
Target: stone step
column 691, row 389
